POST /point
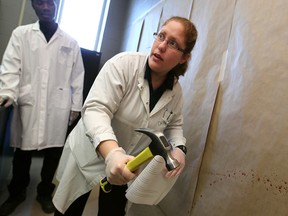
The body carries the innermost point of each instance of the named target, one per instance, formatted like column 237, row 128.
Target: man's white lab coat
column 118, row 103
column 45, row 81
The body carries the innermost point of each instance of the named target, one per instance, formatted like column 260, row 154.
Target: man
column 42, row 75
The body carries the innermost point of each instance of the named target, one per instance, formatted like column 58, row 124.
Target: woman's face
column 162, row 57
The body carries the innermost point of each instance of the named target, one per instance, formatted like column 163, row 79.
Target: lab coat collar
column 58, row 33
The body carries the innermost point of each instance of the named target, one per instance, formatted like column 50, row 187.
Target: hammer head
column 160, row 146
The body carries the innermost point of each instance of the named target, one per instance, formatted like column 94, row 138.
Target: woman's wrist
column 183, row 148
column 106, row 146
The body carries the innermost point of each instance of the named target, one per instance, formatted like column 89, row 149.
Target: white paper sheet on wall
column 244, row 169
column 150, row 26
column 133, row 41
column 151, row 186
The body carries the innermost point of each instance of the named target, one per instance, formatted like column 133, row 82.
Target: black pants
column 21, row 171
column 110, row 204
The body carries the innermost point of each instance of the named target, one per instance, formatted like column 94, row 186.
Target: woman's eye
column 173, row 43
column 161, row 36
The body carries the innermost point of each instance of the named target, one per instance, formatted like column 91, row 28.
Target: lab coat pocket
column 65, row 56
column 81, row 147
column 25, row 96
column 165, row 120
column 62, row 98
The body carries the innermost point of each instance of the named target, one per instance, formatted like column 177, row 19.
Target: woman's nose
column 162, row 45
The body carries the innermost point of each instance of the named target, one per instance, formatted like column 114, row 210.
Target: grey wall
column 8, row 20
column 122, row 14
column 138, row 8
column 114, row 31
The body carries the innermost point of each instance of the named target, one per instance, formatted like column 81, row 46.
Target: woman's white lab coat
column 46, row 82
column 117, row 103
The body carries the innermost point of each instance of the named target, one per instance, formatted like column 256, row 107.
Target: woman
column 131, row 91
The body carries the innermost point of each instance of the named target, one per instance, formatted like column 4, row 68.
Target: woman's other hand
column 180, row 156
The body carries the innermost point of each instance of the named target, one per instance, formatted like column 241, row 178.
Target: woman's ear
column 185, row 57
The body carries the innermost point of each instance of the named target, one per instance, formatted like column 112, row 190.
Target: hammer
column 158, row 146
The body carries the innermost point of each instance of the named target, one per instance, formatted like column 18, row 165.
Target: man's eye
column 38, row 2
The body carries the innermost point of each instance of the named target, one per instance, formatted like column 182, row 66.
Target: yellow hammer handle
column 132, row 165
column 139, row 159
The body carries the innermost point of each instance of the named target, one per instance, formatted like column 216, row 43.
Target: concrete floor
column 30, row 207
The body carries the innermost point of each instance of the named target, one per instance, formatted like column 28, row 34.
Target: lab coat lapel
column 36, row 27
column 57, row 34
column 144, row 93
column 145, row 97
column 163, row 101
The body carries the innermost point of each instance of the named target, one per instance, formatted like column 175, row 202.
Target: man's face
column 44, row 9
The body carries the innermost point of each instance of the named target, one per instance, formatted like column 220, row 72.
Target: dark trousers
column 110, row 204
column 21, row 171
